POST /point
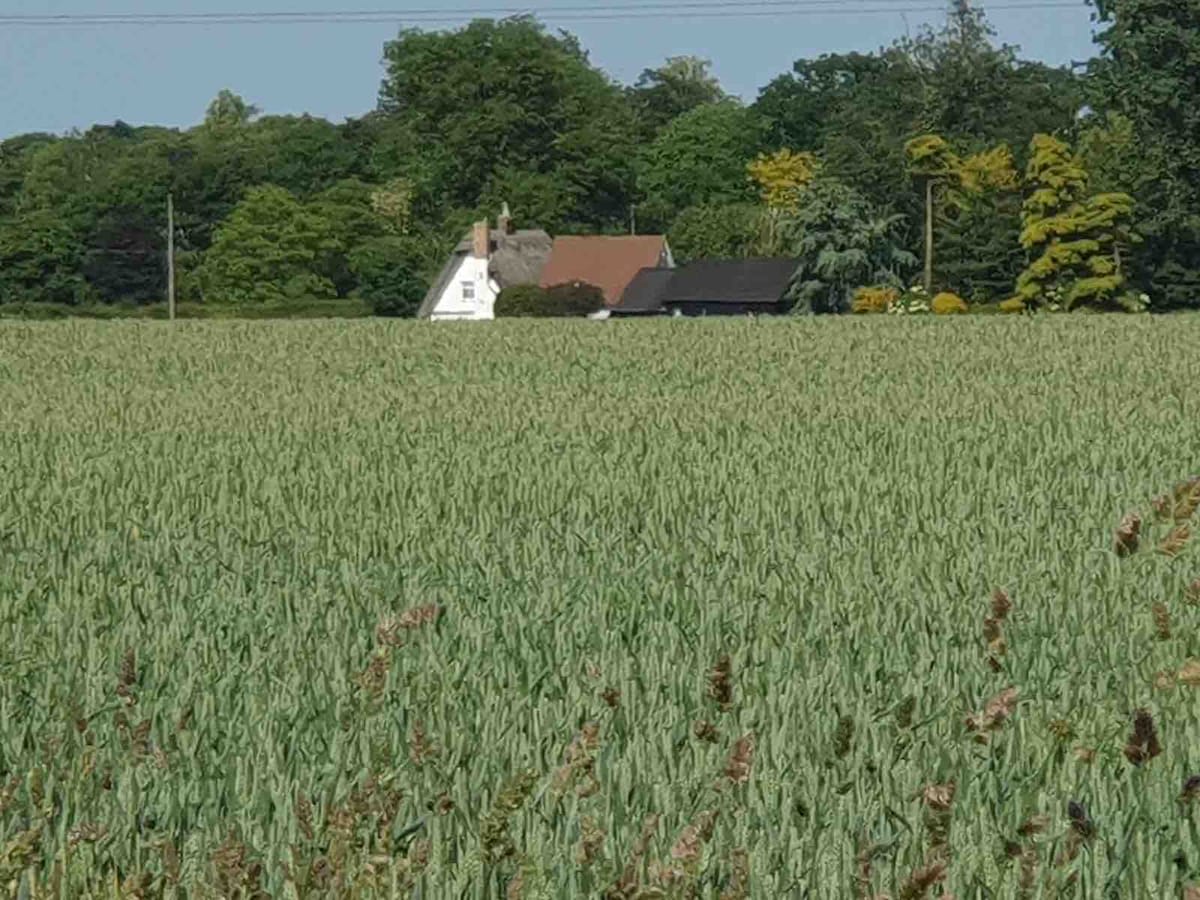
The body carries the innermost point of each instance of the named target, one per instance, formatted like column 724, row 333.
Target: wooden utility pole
column 171, row 256
column 929, row 235
column 633, row 219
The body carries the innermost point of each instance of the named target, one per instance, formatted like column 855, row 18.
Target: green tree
column 40, row 260
column 699, row 159
column 501, row 96
column 842, row 244
column 16, row 155
column 978, row 94
column 678, row 86
column 386, row 272
column 978, row 232
column 797, row 108
column 304, row 154
column 1073, row 236
column 228, row 110
column 271, row 249
column 1145, row 74
column 109, row 188
column 729, row 231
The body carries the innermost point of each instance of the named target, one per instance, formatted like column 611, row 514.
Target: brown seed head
column 862, row 880
column 920, row 881
column 720, row 682
column 1001, row 605
column 995, row 712
column 1192, row 593
column 939, row 797
column 374, row 678
column 420, row 748
column 1176, row 540
column 611, row 697
column 1162, row 621
column 591, row 842
column 1034, row 825
column 741, row 760
column 87, row 833
column 419, row 616
column 1142, row 745
column 1164, row 680
column 304, row 816
column 1191, row 789
column 1187, row 500
column 1081, row 822
column 706, row 731
column 686, row 850
column 1127, row 536
column 1191, row 892
column 1062, row 729
column 1190, row 673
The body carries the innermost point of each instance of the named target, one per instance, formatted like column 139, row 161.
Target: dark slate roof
column 730, row 281
column 517, row 258
column 644, row 293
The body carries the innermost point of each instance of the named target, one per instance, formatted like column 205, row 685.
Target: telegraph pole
column 171, row 256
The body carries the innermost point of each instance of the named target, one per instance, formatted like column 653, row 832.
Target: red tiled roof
column 609, row 263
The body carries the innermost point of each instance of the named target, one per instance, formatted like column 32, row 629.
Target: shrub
column 520, row 300
column 1013, row 305
column 574, row 299
column 560, row 301
column 874, row 299
column 948, row 304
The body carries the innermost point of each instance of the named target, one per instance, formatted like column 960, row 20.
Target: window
column 468, row 290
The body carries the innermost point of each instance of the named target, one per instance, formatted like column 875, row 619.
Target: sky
column 56, row 79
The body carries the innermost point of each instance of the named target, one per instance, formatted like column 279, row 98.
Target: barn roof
column 609, row 263
column 730, row 281
column 645, row 292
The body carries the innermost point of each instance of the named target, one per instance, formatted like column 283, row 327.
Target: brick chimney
column 482, row 241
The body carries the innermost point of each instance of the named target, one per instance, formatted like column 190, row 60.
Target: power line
column 598, row 13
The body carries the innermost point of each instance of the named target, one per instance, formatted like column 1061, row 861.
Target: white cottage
column 486, row 262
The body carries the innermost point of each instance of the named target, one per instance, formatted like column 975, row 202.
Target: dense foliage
column 321, row 610
column 557, row 302
column 507, row 111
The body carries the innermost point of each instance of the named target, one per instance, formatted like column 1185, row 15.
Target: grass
column 569, row 609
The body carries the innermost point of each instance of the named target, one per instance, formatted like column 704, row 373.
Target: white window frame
column 468, row 290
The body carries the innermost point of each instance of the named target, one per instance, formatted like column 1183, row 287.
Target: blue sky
column 57, row 79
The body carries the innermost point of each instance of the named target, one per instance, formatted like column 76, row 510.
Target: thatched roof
column 516, row 258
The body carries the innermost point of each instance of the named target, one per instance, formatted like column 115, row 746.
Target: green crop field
column 649, row 609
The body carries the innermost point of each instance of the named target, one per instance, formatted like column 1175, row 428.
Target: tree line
column 943, row 159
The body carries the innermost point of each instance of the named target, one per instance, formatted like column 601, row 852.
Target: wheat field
column 829, row 608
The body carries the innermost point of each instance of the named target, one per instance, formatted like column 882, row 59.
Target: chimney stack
column 482, row 242
column 504, row 223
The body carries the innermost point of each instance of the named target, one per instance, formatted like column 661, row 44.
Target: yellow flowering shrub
column 874, row 299
column 948, row 304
